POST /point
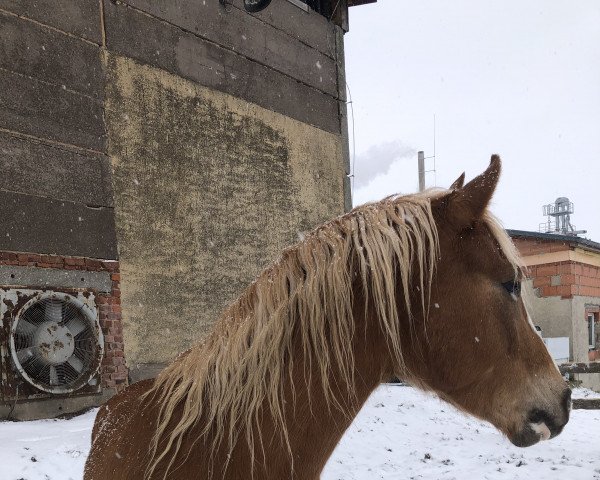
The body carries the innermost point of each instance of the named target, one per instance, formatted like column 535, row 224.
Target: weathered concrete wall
column 56, row 202
column 55, row 188
column 208, row 189
column 212, row 136
column 552, row 314
column 560, row 317
column 230, row 51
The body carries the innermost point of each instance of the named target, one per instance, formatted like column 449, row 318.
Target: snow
column 400, row 434
column 404, row 433
column 45, row 449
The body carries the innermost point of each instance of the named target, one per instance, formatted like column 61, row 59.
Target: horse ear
column 466, row 204
column 458, row 183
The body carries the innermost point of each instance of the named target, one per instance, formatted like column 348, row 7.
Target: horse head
column 478, row 348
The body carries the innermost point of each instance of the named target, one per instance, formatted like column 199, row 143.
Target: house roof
column 554, row 237
column 354, row 3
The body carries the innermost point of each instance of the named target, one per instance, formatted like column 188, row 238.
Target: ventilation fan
column 56, row 342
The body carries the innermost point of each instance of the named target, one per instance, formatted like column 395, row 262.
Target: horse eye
column 513, row 287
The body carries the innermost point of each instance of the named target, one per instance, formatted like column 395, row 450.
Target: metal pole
column 421, row 159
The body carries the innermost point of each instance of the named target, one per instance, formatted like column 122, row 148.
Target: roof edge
column 356, row 3
column 555, row 237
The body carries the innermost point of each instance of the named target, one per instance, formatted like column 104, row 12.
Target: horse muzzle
column 544, row 424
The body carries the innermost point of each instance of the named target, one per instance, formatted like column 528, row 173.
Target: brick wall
column 113, row 369
column 565, row 279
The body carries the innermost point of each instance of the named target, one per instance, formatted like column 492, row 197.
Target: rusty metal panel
column 13, row 386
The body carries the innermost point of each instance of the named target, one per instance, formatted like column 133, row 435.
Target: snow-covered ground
column 45, row 449
column 404, row 434
column 400, row 434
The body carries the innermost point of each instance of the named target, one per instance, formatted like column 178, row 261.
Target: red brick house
column 564, row 283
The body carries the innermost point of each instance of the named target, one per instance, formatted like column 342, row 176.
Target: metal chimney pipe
column 421, row 159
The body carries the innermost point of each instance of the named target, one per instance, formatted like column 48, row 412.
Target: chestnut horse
column 424, row 287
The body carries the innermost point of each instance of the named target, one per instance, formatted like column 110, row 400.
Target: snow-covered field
column 400, row 434
column 404, row 434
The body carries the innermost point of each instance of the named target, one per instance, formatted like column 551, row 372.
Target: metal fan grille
column 56, row 343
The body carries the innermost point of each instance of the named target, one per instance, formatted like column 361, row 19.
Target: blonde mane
column 304, row 299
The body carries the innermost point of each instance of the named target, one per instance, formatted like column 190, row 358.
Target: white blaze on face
column 541, row 429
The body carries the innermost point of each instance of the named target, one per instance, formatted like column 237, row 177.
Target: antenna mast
column 559, row 218
column 421, row 164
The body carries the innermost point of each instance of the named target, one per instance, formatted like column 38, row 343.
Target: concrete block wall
column 183, row 143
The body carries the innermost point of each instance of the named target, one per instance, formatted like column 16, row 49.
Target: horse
column 423, row 287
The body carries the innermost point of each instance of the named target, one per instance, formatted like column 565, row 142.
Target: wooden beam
column 592, row 367
column 586, row 404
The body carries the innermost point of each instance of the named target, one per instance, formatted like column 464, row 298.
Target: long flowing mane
column 304, row 300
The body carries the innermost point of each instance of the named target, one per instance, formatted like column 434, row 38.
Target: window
column 591, row 331
column 320, row 6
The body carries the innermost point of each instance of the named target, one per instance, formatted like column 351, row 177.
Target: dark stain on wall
column 204, row 199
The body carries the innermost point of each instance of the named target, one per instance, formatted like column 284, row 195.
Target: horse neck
column 315, row 414
column 315, row 420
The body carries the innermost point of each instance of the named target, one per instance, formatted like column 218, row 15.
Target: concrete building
column 154, row 157
column 564, row 286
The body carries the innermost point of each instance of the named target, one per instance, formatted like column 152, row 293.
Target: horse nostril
column 538, row 417
column 549, row 423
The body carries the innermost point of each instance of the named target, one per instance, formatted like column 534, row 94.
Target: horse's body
column 422, row 287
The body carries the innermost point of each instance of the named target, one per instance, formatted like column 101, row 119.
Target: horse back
column 120, row 414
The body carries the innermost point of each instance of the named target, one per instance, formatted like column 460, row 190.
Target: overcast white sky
column 518, row 78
